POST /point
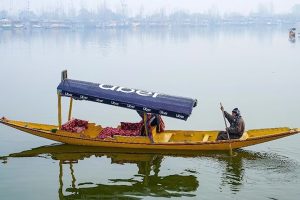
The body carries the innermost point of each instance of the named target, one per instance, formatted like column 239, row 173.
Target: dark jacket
column 237, row 124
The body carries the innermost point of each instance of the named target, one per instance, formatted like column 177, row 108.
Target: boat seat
column 162, row 137
column 205, row 138
column 244, row 136
column 93, row 130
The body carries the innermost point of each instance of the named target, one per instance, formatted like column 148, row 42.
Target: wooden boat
column 147, row 102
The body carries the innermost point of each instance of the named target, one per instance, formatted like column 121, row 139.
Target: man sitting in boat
column 237, row 125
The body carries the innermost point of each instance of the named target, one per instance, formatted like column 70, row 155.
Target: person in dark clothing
column 152, row 120
column 237, row 125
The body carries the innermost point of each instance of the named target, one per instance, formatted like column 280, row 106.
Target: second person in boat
column 152, row 120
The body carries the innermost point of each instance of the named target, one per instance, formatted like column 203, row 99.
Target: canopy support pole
column 73, row 176
column 64, row 76
column 60, row 178
column 59, row 110
column 145, row 123
column 70, row 109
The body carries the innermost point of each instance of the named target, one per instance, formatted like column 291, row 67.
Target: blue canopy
column 150, row 102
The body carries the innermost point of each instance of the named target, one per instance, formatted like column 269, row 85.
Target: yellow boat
column 147, row 102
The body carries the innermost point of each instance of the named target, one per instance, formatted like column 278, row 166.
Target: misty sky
column 151, row 6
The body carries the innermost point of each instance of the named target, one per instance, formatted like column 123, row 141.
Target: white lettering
column 83, row 97
column 128, row 90
column 179, row 116
column 143, row 93
column 130, row 106
column 146, row 109
column 99, row 100
column 107, row 87
column 68, row 94
column 114, row 103
column 163, row 113
column 125, row 90
column 155, row 95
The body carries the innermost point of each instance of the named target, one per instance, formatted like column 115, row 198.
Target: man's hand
column 222, row 108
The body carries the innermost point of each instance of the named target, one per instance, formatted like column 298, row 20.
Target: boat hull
column 44, row 131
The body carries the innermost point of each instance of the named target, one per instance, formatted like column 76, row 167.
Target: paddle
column 230, row 148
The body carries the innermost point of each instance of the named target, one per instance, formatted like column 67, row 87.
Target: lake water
column 255, row 69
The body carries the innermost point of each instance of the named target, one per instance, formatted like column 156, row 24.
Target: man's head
column 236, row 112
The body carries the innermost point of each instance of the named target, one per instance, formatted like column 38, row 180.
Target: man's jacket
column 237, row 124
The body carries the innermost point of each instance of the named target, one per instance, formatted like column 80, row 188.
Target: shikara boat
column 146, row 102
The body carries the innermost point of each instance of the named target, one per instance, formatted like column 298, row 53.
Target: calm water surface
column 255, row 69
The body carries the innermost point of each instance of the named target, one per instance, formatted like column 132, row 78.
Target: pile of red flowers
column 75, row 126
column 127, row 129
column 131, row 126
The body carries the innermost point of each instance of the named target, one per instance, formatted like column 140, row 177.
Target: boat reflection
column 292, row 39
column 148, row 182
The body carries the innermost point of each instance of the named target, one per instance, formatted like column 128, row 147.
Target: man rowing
column 237, row 125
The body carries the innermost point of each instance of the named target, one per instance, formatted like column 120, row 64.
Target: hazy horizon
column 147, row 7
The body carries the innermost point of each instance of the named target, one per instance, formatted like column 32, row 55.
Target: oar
column 230, row 148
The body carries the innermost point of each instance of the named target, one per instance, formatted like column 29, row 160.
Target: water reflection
column 292, row 39
column 149, row 185
column 148, row 181
column 233, row 175
column 105, row 38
